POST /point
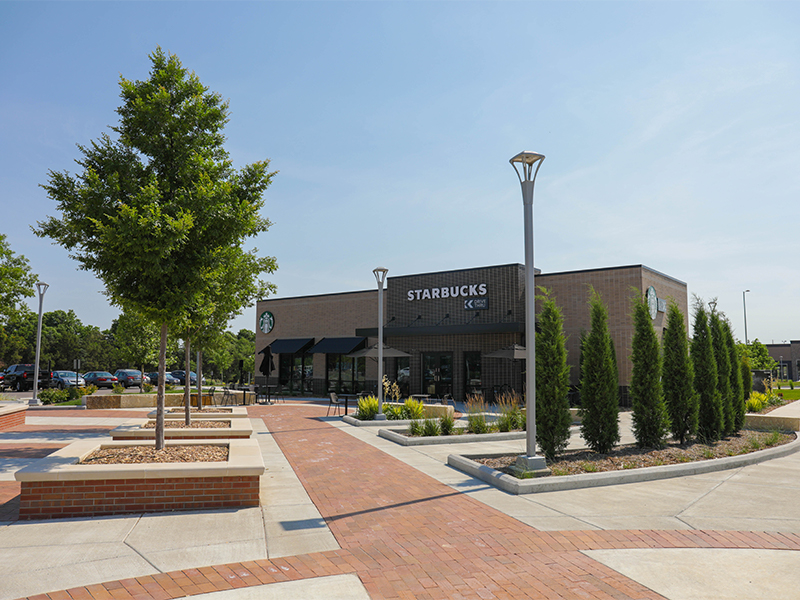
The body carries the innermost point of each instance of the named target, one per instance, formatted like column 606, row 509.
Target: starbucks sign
column 266, row 322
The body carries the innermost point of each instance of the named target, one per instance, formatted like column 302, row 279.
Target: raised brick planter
column 11, row 416
column 58, row 487
column 135, row 430
column 230, row 412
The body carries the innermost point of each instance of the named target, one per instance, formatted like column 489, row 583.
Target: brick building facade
column 447, row 322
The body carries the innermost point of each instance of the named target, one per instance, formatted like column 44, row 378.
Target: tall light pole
column 527, row 177
column 744, row 303
column 380, row 277
column 41, row 287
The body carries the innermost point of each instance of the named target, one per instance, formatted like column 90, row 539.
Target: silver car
column 63, row 379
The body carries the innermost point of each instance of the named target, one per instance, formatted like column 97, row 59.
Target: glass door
column 437, row 373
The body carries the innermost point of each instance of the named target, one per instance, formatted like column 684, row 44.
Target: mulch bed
column 199, row 424
column 629, row 456
column 181, row 411
column 149, row 454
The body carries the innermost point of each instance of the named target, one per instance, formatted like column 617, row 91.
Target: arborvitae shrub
column 678, row 377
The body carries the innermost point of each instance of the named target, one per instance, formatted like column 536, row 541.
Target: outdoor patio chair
column 227, row 396
column 334, row 401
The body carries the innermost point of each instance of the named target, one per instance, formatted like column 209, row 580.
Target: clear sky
column 671, row 131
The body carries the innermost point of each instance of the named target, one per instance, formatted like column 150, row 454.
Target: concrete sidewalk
column 38, row 557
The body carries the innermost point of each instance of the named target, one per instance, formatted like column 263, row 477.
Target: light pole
column 744, row 303
column 380, row 277
column 41, row 287
column 527, row 161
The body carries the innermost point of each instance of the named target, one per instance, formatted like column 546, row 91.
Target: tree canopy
column 16, row 280
column 158, row 213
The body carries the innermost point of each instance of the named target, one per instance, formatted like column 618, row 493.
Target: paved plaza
column 346, row 514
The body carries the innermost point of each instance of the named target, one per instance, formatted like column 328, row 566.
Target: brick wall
column 88, row 498
column 12, row 419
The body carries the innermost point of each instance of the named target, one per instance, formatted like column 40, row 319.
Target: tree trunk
column 187, row 381
column 162, row 372
column 200, row 379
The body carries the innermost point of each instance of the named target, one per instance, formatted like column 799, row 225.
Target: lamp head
column 380, row 275
column 41, row 286
column 527, row 160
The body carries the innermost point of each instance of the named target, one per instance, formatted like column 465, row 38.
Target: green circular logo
column 266, row 322
column 652, row 302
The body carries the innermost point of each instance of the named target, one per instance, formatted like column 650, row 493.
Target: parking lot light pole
column 526, row 161
column 41, row 287
column 380, row 277
column 744, row 304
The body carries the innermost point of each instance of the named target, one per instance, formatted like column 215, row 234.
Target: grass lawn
column 788, row 394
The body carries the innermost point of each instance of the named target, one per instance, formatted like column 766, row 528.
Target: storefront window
column 472, row 372
column 404, row 376
column 345, row 374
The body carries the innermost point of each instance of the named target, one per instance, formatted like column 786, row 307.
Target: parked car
column 181, row 377
column 100, row 379
column 20, row 378
column 62, row 379
column 168, row 378
column 129, row 377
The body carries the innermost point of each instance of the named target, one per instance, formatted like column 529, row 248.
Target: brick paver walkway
column 408, row 536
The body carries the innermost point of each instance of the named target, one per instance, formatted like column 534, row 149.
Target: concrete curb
column 395, row 436
column 512, row 485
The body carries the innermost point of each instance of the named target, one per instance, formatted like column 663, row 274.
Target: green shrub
column 756, row 402
column 118, row 389
column 367, row 408
column 413, row 409
column 147, row 388
column 476, row 417
column 447, row 425
column 52, row 396
column 430, row 427
column 511, row 416
column 415, row 428
column 393, row 413
column 89, row 389
column 791, row 384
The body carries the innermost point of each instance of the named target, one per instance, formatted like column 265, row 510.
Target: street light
column 527, row 161
column 744, row 303
column 380, row 277
column 41, row 287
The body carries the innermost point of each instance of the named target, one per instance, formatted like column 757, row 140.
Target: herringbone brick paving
column 408, row 536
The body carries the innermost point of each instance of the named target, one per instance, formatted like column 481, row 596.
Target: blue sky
column 671, row 131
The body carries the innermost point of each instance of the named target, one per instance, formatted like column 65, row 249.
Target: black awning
column 291, row 346
column 344, row 345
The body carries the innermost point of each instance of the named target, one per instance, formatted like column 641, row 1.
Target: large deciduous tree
column 156, row 212
column 650, row 420
column 599, row 388
column 678, row 377
column 552, row 380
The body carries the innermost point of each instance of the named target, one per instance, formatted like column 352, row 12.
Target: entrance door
column 437, row 373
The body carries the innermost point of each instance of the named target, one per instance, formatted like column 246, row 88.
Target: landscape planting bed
column 57, row 486
column 230, row 412
column 136, row 429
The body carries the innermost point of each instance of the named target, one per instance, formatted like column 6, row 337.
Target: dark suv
column 129, row 377
column 20, row 378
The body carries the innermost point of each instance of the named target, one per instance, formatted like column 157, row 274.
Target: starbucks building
column 450, row 332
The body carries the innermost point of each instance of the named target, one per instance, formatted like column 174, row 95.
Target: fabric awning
column 291, row 346
column 372, row 352
column 344, row 345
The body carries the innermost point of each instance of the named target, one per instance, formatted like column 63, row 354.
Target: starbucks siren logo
column 266, row 322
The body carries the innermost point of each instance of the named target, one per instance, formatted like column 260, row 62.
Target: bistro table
column 347, row 398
